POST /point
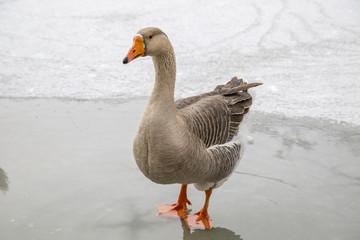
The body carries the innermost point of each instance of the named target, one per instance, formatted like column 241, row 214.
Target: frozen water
column 68, row 173
column 306, row 52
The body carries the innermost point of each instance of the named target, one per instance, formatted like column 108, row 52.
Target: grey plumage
column 214, row 117
column 190, row 140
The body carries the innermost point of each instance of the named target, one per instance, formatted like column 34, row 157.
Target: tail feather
column 238, row 99
column 234, row 85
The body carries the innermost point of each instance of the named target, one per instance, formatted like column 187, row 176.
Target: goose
column 196, row 140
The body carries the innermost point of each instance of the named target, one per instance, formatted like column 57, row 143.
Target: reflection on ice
column 3, row 181
column 128, row 218
column 205, row 234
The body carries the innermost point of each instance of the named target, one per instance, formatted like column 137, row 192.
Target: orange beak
column 137, row 50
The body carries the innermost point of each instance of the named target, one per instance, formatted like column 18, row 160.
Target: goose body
column 195, row 140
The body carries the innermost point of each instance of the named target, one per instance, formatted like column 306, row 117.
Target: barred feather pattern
column 214, row 117
column 225, row 158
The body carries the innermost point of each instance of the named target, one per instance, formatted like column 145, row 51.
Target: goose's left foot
column 178, row 209
column 200, row 219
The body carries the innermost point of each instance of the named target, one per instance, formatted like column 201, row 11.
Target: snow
column 307, row 53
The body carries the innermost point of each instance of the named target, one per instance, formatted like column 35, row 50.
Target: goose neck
column 165, row 70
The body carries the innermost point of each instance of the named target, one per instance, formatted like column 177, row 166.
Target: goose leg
column 176, row 209
column 200, row 219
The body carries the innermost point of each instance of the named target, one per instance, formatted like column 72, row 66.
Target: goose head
column 148, row 41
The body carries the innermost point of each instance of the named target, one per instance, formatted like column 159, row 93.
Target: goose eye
column 150, row 36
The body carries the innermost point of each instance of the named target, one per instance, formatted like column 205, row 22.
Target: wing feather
column 214, row 117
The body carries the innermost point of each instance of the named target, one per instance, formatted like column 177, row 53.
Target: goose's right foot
column 178, row 209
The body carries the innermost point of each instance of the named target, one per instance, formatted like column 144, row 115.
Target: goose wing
column 214, row 117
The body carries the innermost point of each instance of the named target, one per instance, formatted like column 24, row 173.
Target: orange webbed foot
column 200, row 219
column 178, row 209
column 173, row 210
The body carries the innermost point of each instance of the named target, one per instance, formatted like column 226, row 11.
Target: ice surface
column 306, row 52
column 71, row 175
